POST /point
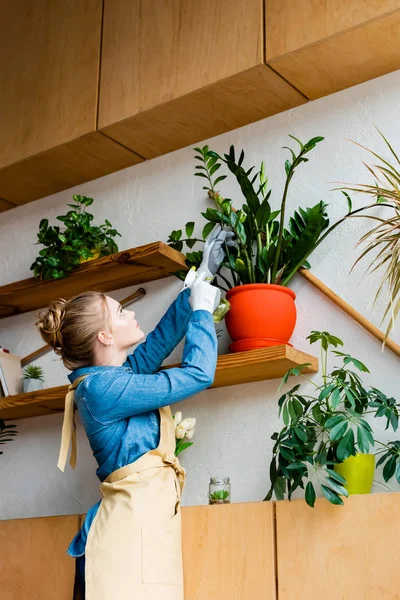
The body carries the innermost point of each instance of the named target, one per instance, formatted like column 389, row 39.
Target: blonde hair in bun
column 70, row 327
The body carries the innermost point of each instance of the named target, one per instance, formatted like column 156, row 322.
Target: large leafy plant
column 383, row 240
column 79, row 240
column 326, row 427
column 7, row 433
column 271, row 248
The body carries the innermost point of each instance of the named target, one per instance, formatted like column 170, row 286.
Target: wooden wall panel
column 247, row 97
column 49, row 84
column 291, row 25
column 322, row 63
column 4, row 205
column 174, row 73
column 89, row 157
column 49, row 81
column 228, row 552
column 333, row 552
column 34, row 564
column 154, row 52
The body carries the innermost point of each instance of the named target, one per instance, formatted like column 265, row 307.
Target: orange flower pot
column 261, row 315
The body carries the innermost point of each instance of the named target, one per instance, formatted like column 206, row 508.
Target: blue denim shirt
column 118, row 406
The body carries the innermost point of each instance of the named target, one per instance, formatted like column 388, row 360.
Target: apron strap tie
column 68, row 435
column 171, row 459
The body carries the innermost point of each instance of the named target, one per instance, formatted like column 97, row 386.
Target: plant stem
column 281, row 227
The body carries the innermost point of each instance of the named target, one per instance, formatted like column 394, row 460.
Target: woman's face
column 126, row 331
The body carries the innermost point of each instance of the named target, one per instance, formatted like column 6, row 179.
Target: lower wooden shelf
column 232, row 369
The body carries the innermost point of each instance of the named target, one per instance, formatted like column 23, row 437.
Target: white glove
column 214, row 252
column 204, row 296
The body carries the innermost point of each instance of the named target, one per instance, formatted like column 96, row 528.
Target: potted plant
column 33, row 378
column 383, row 240
column 325, row 435
column 79, row 241
column 270, row 248
column 7, row 433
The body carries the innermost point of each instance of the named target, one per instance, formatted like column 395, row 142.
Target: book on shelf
column 10, row 373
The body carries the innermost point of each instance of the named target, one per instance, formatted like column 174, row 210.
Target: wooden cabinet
column 177, row 71
column 34, row 563
column 229, row 552
column 49, row 80
column 93, row 86
column 333, row 552
column 323, row 46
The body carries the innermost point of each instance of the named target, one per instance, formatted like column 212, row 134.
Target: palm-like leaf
column 384, row 237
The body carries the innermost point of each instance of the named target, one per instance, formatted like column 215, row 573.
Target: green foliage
column 32, row 372
column 325, row 428
column 219, row 495
column 271, row 248
column 7, row 433
column 65, row 248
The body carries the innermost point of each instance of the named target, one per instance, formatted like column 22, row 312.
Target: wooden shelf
column 130, row 267
column 232, row 369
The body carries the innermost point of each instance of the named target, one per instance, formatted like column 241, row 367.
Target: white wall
column 145, row 203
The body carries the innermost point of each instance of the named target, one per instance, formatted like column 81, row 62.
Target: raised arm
column 149, row 356
column 116, row 395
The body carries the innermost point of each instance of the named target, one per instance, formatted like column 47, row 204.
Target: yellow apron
column 134, row 546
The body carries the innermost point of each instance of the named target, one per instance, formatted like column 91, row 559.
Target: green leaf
column 334, row 475
column 288, row 166
column 301, row 434
column 337, row 487
column 397, row 472
column 362, row 440
column 279, row 488
column 335, row 398
column 333, row 421
column 207, row 230
column 310, row 494
column 189, row 227
column 332, row 496
column 346, row 446
column 338, row 431
column 389, row 468
column 219, row 179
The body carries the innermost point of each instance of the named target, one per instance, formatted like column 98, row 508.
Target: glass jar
column 219, row 490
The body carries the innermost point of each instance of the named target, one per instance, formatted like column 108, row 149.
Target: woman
column 130, row 543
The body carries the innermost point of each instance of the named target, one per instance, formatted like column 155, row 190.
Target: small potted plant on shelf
column 7, row 433
column 383, row 240
column 270, row 247
column 77, row 242
column 33, row 378
column 326, row 437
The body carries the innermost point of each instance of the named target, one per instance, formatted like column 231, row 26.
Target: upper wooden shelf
column 232, row 369
column 129, row 267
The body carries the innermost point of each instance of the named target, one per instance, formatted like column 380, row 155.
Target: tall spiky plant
column 384, row 237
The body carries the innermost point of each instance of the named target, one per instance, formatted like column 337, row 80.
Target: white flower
column 189, row 434
column 177, row 418
column 180, row 432
column 189, row 423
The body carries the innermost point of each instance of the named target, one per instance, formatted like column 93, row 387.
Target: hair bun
column 50, row 324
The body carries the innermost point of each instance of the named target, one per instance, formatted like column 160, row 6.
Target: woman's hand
column 204, row 296
column 214, row 252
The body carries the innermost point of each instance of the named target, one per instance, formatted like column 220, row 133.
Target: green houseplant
column 32, row 378
column 78, row 241
column 324, row 429
column 383, row 240
column 271, row 247
column 7, row 433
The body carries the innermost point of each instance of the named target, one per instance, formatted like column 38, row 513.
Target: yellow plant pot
column 358, row 471
column 95, row 254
